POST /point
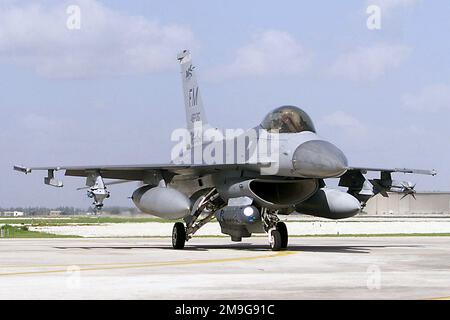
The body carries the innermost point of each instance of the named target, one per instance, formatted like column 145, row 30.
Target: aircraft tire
column 281, row 227
column 275, row 240
column 178, row 236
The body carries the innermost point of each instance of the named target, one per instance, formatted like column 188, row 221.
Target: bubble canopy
column 288, row 119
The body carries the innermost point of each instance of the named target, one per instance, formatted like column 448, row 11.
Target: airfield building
column 426, row 203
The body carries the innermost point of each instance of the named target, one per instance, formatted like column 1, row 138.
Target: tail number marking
column 195, row 117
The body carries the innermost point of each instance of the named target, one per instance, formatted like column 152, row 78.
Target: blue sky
column 110, row 92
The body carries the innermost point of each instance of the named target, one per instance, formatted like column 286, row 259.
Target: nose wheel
column 282, row 229
column 178, row 236
column 275, row 240
column 276, row 230
column 278, row 237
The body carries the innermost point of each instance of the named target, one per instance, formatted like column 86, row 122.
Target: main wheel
column 178, row 236
column 275, row 240
column 282, row 229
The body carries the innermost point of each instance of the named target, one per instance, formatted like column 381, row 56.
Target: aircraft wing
column 363, row 189
column 400, row 170
column 140, row 172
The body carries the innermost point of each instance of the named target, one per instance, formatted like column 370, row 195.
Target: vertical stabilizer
column 195, row 114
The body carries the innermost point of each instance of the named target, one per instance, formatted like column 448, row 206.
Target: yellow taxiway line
column 440, row 298
column 100, row 267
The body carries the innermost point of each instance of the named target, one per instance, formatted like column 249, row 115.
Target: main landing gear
column 278, row 237
column 206, row 205
column 178, row 236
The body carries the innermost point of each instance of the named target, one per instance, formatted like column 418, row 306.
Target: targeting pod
column 238, row 216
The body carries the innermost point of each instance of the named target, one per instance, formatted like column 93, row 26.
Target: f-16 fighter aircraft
column 244, row 180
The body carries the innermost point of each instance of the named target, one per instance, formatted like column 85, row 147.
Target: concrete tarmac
column 215, row 268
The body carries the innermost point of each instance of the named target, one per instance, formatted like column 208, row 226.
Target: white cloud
column 431, row 98
column 108, row 43
column 344, row 122
column 388, row 6
column 271, row 53
column 369, row 63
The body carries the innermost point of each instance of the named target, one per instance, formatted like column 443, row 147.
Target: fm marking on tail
column 193, row 97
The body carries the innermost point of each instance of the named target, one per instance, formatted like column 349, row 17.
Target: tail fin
column 195, row 114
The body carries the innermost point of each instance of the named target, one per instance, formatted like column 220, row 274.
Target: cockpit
column 288, row 119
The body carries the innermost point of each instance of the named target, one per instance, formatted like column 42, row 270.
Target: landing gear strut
column 207, row 204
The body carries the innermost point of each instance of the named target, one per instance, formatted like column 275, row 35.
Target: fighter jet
column 244, row 180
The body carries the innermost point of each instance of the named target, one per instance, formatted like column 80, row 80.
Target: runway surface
column 215, row 268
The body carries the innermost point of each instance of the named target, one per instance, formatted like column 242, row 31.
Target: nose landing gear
column 276, row 230
column 275, row 240
column 282, row 229
column 278, row 238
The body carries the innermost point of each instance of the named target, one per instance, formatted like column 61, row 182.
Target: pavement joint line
column 157, row 264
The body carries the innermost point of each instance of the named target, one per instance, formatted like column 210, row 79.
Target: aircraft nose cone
column 319, row 159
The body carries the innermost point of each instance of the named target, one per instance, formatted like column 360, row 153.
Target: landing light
column 248, row 212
